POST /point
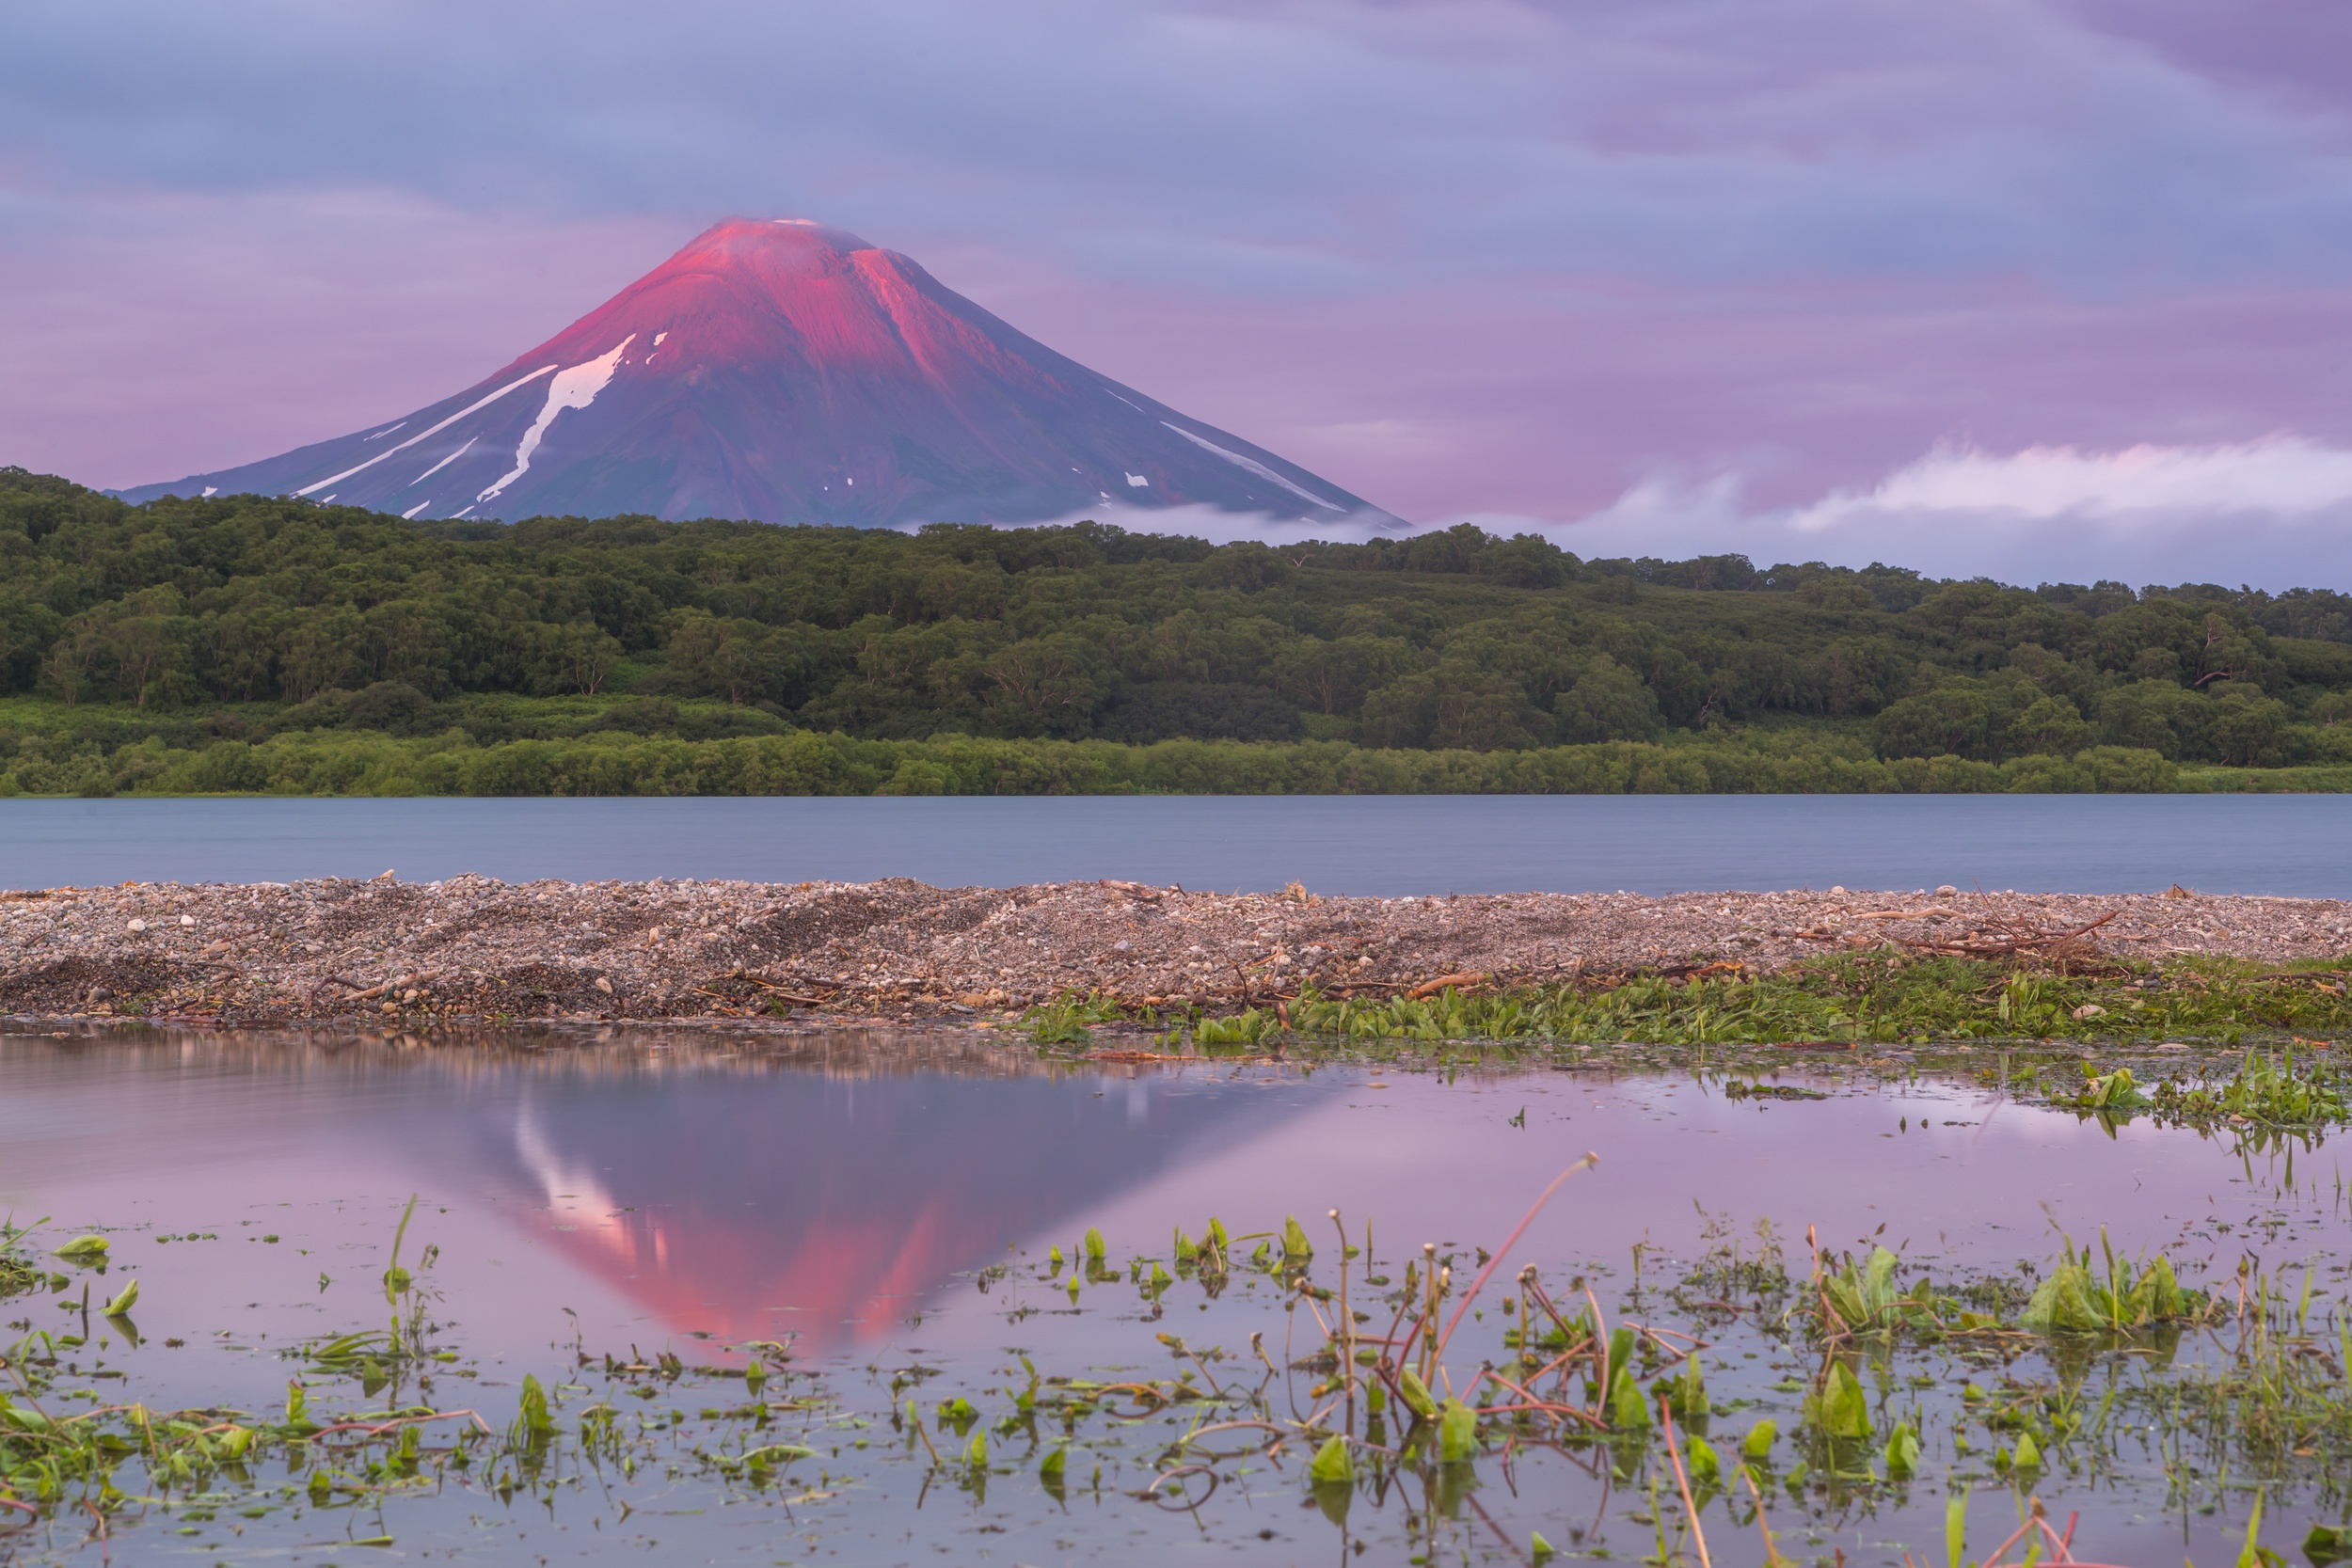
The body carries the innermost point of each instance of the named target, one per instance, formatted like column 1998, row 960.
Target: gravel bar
column 472, row 949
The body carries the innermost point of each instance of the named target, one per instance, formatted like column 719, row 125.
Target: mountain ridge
column 785, row 371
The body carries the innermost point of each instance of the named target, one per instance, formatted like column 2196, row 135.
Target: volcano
column 781, row 370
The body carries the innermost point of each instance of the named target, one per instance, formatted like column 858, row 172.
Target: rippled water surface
column 883, row 1212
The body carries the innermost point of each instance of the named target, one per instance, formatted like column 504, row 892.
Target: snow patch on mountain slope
column 445, row 462
column 1254, row 466
column 484, row 402
column 574, row 388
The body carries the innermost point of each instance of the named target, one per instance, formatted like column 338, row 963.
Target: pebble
column 472, row 946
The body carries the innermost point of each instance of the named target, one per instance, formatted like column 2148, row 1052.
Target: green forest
column 248, row 643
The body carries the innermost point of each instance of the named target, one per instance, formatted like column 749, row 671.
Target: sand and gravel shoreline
column 471, row 949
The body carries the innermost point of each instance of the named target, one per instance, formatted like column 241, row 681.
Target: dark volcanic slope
column 790, row 372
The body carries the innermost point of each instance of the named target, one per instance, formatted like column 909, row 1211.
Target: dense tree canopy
column 247, row 616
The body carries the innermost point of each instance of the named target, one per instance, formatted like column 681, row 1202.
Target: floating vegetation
column 1734, row 1089
column 2081, row 1299
column 1399, row 1397
column 19, row 1272
column 1064, row 1021
column 2274, row 1090
column 1885, row 997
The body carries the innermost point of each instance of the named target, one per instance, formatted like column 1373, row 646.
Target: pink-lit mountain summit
column 790, row 372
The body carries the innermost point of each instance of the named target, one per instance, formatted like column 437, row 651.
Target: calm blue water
column 1377, row 845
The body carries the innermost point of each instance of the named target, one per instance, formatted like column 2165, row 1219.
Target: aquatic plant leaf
column 1877, row 1278
column 1704, row 1465
column 1331, row 1464
column 1758, row 1444
column 1539, row 1548
column 1690, row 1390
column 1845, row 1299
column 1956, row 1528
column 2254, row 1554
column 84, row 1249
column 2114, row 1091
column 1052, row 1467
column 1458, row 1433
column 1416, row 1395
column 1296, row 1248
column 1629, row 1407
column 2061, row 1304
column 2028, row 1453
column 771, row 1454
column 1902, row 1450
column 535, row 1420
column 1866, row 1297
column 1094, row 1245
column 1841, row 1409
column 124, row 1301
column 2328, row 1543
column 976, row 1451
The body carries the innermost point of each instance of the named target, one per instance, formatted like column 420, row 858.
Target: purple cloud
column 1471, row 257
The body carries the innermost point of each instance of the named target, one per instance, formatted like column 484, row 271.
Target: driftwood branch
column 1988, row 936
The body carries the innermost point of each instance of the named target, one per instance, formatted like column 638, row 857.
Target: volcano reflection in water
column 748, row 1196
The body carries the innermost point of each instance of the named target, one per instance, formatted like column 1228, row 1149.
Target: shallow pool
column 872, row 1221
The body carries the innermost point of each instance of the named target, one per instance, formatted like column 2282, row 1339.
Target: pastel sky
column 2046, row 287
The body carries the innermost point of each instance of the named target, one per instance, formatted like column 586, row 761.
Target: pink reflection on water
column 753, row 1207
column 745, row 1198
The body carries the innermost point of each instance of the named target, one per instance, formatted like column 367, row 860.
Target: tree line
column 237, row 619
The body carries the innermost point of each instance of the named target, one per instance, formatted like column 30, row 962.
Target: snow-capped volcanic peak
column 783, row 369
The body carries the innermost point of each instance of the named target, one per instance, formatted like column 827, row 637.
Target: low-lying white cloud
column 2274, row 514
column 2281, row 477
column 1199, row 520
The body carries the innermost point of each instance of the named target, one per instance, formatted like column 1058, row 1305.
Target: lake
column 833, row 1300
column 2289, row 845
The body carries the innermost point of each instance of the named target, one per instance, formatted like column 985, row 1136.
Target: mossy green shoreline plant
column 580, row 759
column 1860, row 1001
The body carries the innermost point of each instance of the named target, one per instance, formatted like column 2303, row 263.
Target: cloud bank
column 2274, row 514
